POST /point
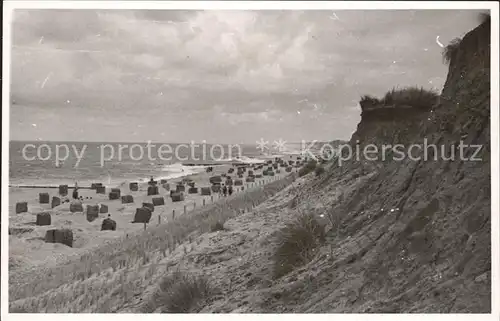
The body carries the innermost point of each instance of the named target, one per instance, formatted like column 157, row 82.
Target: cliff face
column 465, row 99
column 388, row 124
column 410, row 235
column 414, row 235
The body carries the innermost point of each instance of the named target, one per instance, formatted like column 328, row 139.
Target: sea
column 38, row 163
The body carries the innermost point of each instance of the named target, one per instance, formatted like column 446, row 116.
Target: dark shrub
column 451, row 50
column 368, row 101
column 183, row 293
column 416, row 97
column 319, row 170
column 308, row 168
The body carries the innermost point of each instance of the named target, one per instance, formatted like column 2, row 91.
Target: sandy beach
column 27, row 240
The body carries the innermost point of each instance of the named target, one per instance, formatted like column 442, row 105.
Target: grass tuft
column 297, row 242
column 451, row 50
column 67, row 285
column 217, row 226
column 308, row 168
column 368, row 101
column 416, row 97
column 319, row 170
column 180, row 292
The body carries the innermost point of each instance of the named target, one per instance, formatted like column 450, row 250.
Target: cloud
column 189, row 70
column 230, row 49
column 262, row 117
column 30, row 25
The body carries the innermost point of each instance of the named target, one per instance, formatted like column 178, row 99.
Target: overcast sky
column 219, row 76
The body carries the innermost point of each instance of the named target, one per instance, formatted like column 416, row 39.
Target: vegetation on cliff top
column 418, row 97
column 451, row 51
column 413, row 96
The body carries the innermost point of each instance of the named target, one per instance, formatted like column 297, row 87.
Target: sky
column 216, row 76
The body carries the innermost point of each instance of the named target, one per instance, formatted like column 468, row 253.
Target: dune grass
column 417, row 97
column 413, row 96
column 368, row 101
column 181, row 292
column 451, row 50
column 297, row 242
column 111, row 275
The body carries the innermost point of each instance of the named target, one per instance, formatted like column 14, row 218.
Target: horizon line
column 159, row 142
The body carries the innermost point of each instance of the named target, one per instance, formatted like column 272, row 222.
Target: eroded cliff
column 413, row 235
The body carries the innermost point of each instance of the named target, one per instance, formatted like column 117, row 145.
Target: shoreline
column 27, row 245
column 176, row 171
column 153, row 241
column 173, row 175
column 172, row 171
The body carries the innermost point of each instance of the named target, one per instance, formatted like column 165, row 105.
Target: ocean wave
column 178, row 170
column 272, row 156
column 249, row 160
column 242, row 160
